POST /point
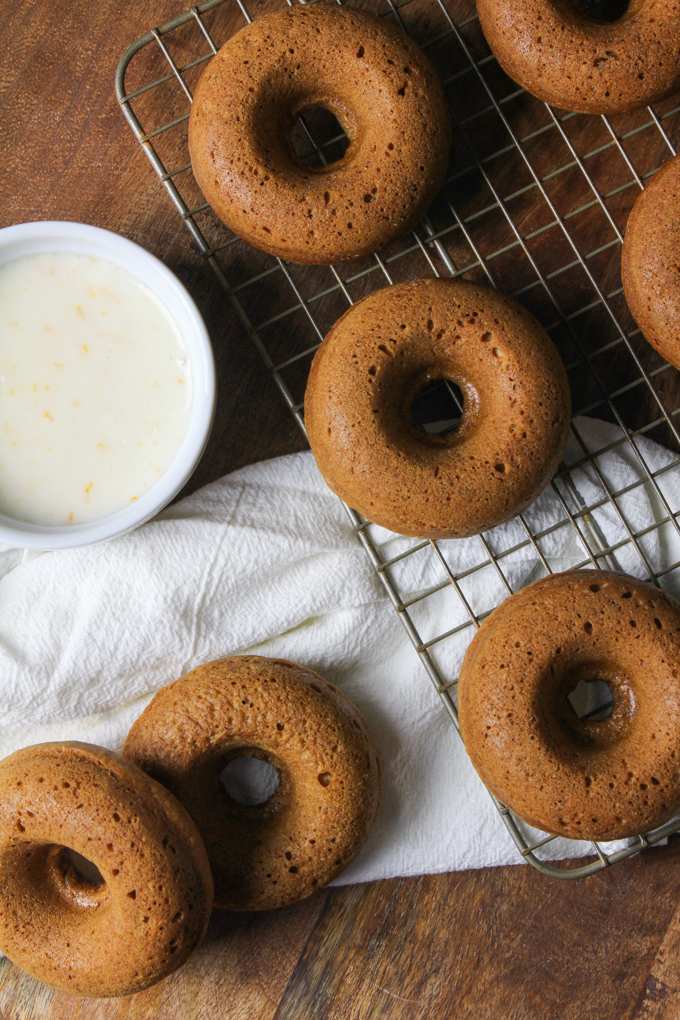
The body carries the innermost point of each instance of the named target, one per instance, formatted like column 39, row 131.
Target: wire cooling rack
column 535, row 202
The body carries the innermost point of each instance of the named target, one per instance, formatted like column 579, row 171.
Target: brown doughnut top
column 96, row 938
column 379, row 85
column 563, row 56
column 584, row 779
column 314, row 824
column 376, row 360
column 650, row 261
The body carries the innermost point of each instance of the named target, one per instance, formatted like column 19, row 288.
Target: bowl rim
column 40, row 236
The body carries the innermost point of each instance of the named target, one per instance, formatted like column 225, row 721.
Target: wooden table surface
column 500, row 943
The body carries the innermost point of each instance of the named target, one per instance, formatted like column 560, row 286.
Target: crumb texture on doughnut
column 386, row 96
column 316, row 821
column 585, row 779
column 382, row 353
column 120, row 935
column 650, row 261
column 570, row 60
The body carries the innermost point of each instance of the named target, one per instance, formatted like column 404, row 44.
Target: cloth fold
column 264, row 560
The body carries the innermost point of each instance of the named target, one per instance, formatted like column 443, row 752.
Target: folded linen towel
column 264, row 560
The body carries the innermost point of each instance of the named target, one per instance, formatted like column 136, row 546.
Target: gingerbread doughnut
column 650, row 261
column 563, row 56
column 314, row 824
column 585, row 779
column 121, row 925
column 387, row 98
column 376, row 360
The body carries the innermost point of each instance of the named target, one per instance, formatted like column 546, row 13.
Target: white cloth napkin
column 264, row 560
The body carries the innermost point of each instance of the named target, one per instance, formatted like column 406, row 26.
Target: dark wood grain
column 499, row 944
column 503, row 944
column 659, row 998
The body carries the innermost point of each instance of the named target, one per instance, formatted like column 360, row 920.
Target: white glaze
column 95, row 388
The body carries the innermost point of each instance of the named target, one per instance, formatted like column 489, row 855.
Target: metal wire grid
column 446, row 243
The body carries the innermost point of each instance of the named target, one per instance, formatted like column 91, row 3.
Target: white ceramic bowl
column 33, row 238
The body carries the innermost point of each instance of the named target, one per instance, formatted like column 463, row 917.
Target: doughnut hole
column 604, row 10
column 76, row 878
column 592, row 705
column 249, row 781
column 55, row 883
column 252, row 783
column 433, row 400
column 307, row 120
column 591, row 700
column 318, row 138
column 438, row 408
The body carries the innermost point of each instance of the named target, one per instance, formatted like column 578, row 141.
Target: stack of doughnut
column 110, row 864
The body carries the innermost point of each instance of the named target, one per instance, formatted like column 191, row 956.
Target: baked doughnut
column 313, row 825
column 376, row 360
column 563, row 56
column 76, row 932
column 387, row 98
column 584, row 779
column 650, row 261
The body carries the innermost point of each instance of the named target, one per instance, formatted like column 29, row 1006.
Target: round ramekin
column 34, row 238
